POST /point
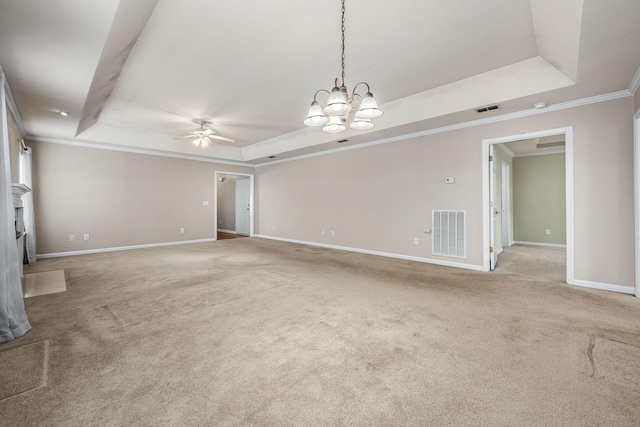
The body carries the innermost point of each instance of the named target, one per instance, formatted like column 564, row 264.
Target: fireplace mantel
column 18, row 190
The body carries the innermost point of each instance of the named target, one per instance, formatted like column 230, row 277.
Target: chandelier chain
column 342, row 42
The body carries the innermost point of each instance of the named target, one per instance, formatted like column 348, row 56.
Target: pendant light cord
column 342, row 42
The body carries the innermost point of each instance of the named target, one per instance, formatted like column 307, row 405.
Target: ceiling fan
column 203, row 135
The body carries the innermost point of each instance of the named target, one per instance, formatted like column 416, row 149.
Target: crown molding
column 507, row 150
column 134, row 150
column 495, row 119
column 635, row 83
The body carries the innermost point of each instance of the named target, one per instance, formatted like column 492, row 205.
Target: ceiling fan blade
column 221, row 138
column 186, row 136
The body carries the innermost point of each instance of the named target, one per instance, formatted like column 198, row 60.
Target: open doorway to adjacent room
column 528, row 203
column 234, row 211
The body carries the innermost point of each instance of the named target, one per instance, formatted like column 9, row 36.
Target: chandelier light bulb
column 368, row 108
column 316, row 117
column 335, row 125
column 361, row 124
column 337, row 105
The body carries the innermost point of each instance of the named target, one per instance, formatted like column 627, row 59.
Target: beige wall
column 381, row 197
column 14, row 146
column 227, row 202
column 118, row 198
column 539, row 199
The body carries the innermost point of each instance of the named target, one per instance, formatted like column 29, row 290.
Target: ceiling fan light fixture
column 340, row 104
column 202, row 137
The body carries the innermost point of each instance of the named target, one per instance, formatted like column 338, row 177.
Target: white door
column 493, row 212
column 506, row 203
column 243, row 206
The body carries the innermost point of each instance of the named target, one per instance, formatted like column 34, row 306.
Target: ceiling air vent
column 487, row 108
column 340, row 141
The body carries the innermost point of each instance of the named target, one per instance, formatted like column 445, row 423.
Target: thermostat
column 449, row 180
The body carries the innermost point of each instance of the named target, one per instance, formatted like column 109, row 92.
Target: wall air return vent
column 449, row 230
column 487, row 108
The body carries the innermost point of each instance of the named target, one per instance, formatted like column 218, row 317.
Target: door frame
column 251, row 201
column 568, row 134
column 493, row 178
column 506, row 205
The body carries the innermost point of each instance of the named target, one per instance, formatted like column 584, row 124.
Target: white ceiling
column 536, row 146
column 135, row 73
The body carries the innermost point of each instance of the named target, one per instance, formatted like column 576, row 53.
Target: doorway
column 490, row 169
column 233, row 205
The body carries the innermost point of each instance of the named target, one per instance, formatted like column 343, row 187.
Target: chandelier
column 335, row 114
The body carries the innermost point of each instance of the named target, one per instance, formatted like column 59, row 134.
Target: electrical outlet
column 205, row 203
column 273, row 227
column 220, row 222
column 86, row 237
column 323, row 233
column 182, row 230
column 333, row 233
column 415, row 241
column 72, row 237
column 547, row 232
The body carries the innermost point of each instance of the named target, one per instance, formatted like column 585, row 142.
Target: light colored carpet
column 23, row 369
column 252, row 332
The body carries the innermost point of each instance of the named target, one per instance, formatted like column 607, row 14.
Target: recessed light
column 539, row 105
column 64, row 113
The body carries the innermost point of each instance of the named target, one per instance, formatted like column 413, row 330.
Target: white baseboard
column 546, row 245
column 604, row 287
column 227, row 231
column 378, row 253
column 120, row 248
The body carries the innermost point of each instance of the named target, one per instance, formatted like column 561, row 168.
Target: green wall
column 539, row 199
